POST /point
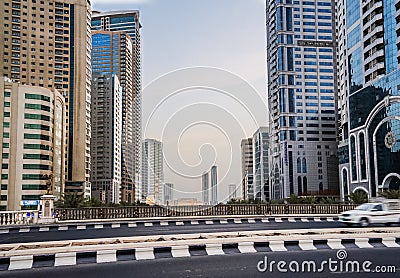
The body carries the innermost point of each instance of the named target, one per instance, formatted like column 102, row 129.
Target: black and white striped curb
column 150, row 253
column 82, row 226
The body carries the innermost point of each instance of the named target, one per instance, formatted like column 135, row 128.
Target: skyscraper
column 232, row 191
column 128, row 22
column 247, row 169
column 302, row 97
column 112, row 55
column 168, row 193
column 214, row 185
column 106, row 138
column 262, row 190
column 47, row 44
column 152, row 171
column 32, row 139
column 369, row 82
column 205, row 188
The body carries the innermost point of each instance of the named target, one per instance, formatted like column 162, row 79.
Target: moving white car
column 386, row 212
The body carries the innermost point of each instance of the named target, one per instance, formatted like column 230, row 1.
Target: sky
column 204, row 84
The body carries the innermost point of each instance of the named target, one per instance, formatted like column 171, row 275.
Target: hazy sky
column 204, row 83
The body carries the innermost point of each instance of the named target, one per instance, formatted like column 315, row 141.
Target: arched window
column 305, row 184
column 353, row 158
column 304, row 165
column 345, row 185
column 298, row 165
column 363, row 163
column 299, row 186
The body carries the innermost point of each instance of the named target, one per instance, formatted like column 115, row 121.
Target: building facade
column 48, row 44
column 247, row 168
column 128, row 22
column 112, row 53
column 214, row 185
column 33, row 140
column 262, row 190
column 152, row 171
column 106, row 138
column 302, row 97
column 205, row 188
column 368, row 76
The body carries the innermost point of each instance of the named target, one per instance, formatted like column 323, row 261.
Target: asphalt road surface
column 15, row 236
column 239, row 265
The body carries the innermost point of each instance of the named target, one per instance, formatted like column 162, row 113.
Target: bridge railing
column 182, row 211
column 18, row 217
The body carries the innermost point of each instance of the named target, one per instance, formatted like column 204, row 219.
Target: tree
column 71, row 200
column 358, row 197
column 328, row 201
column 390, row 194
column 294, row 199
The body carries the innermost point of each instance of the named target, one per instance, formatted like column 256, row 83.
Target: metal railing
column 182, row 211
column 18, row 217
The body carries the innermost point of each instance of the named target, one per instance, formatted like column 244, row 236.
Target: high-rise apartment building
column 214, row 185
column 128, row 22
column 106, row 138
column 48, row 44
column 247, row 168
column 168, row 193
column 152, row 171
column 112, row 53
column 262, row 190
column 368, row 88
column 205, row 188
column 232, row 191
column 33, row 137
column 302, row 97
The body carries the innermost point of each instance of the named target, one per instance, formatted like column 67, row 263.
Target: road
column 231, row 265
column 89, row 231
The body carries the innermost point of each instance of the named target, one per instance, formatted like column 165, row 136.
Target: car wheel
column 364, row 222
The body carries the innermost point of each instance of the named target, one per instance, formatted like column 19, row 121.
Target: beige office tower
column 32, row 144
column 48, row 44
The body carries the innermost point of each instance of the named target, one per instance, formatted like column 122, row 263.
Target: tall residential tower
column 302, row 97
column 48, row 44
column 128, row 22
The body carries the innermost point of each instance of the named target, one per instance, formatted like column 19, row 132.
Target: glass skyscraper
column 302, row 97
column 128, row 22
column 368, row 86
